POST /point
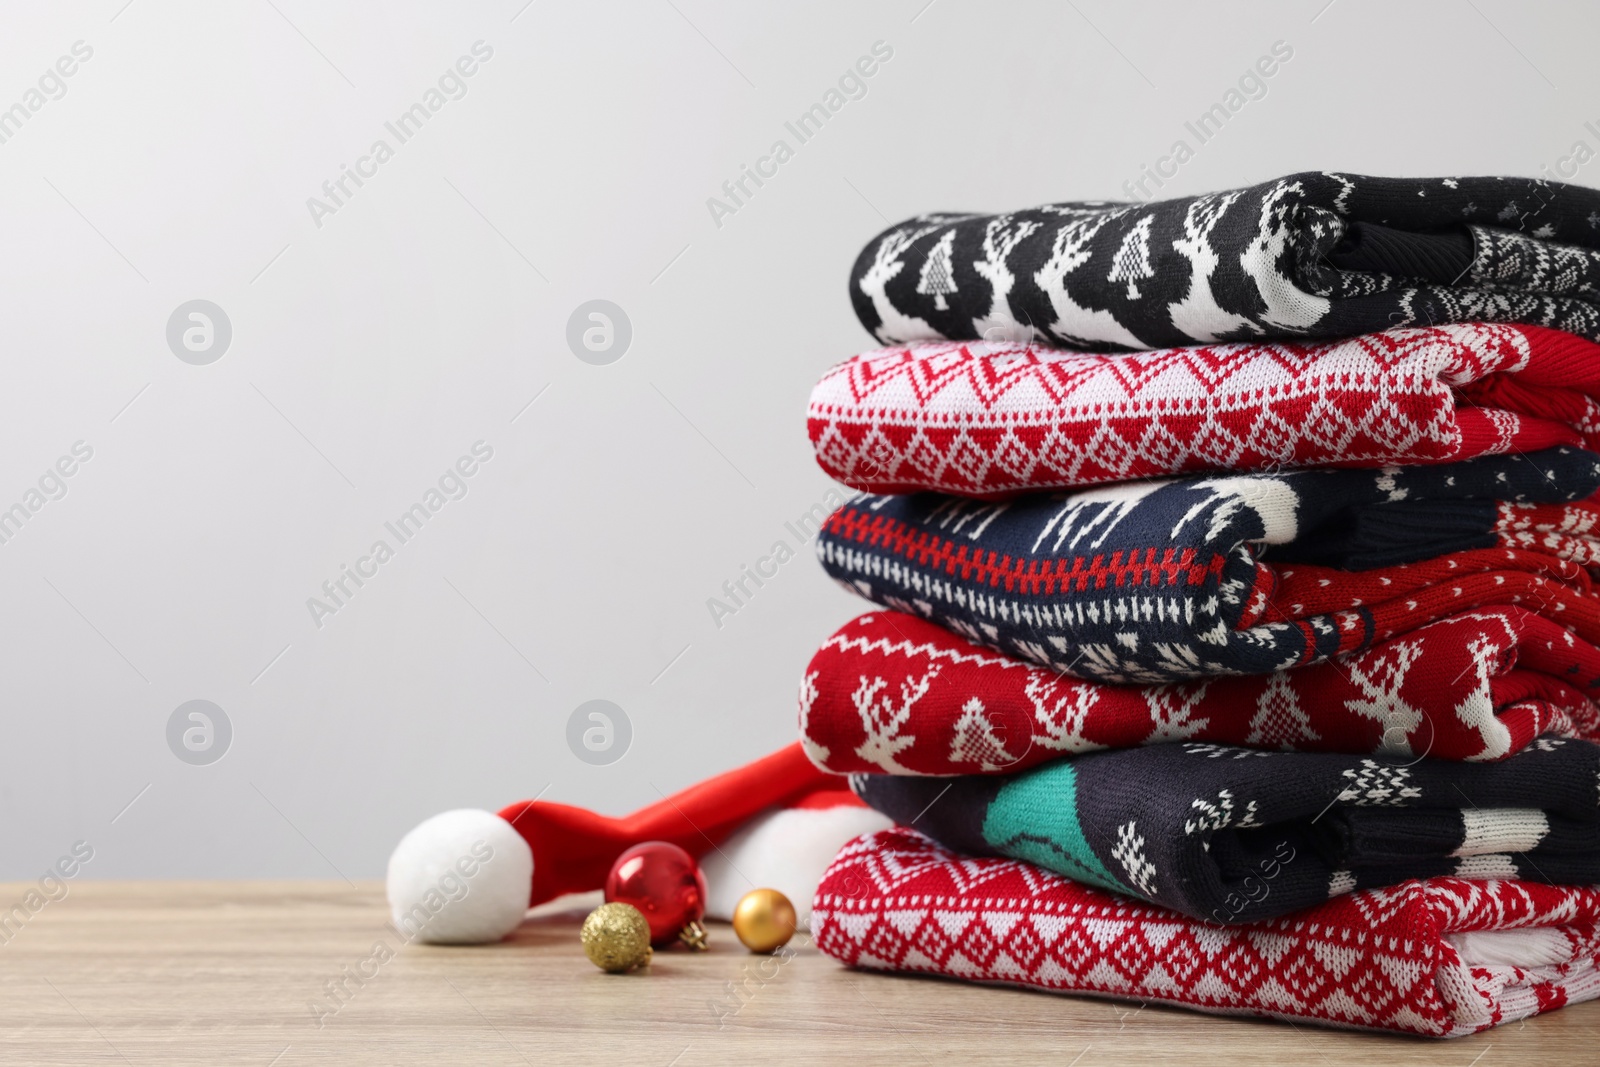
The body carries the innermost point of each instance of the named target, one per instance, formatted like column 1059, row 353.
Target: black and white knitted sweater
column 1234, row 835
column 1307, row 255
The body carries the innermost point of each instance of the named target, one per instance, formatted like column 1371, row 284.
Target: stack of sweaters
column 1238, row 643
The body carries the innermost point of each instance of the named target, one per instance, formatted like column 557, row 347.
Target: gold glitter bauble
column 616, row 938
column 764, row 920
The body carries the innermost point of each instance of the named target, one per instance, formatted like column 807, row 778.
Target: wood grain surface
column 226, row 973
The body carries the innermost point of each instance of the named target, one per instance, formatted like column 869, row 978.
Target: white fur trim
column 460, row 878
column 786, row 850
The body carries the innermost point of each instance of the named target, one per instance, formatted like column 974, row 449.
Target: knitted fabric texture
column 987, row 420
column 1233, row 835
column 1155, row 582
column 890, row 693
column 1316, row 255
column 1440, row 958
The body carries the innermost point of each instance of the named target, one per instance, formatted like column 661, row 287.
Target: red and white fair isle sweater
column 991, row 419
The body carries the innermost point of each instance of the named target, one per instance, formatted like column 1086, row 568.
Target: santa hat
column 467, row 876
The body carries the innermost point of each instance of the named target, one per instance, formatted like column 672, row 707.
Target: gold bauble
column 764, row 920
column 616, row 938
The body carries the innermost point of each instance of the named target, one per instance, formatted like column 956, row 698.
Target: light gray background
column 370, row 353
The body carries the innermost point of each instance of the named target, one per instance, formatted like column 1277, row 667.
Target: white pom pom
column 460, row 878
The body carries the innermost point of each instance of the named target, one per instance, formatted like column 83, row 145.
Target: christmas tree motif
column 1061, row 718
column 1131, row 264
column 1000, row 239
column 882, row 720
column 975, row 740
column 1279, row 719
column 938, row 272
column 894, row 325
column 1075, row 323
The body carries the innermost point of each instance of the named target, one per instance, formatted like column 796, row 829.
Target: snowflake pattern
column 1217, row 814
column 1129, row 851
column 1378, row 784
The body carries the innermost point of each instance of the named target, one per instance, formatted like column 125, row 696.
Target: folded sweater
column 987, row 420
column 1163, row 581
column 1310, row 254
column 1233, row 835
column 891, row 693
column 1440, row 958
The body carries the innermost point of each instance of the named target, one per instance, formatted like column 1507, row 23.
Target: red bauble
column 664, row 882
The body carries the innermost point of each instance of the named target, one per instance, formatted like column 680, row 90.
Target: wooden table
column 213, row 973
